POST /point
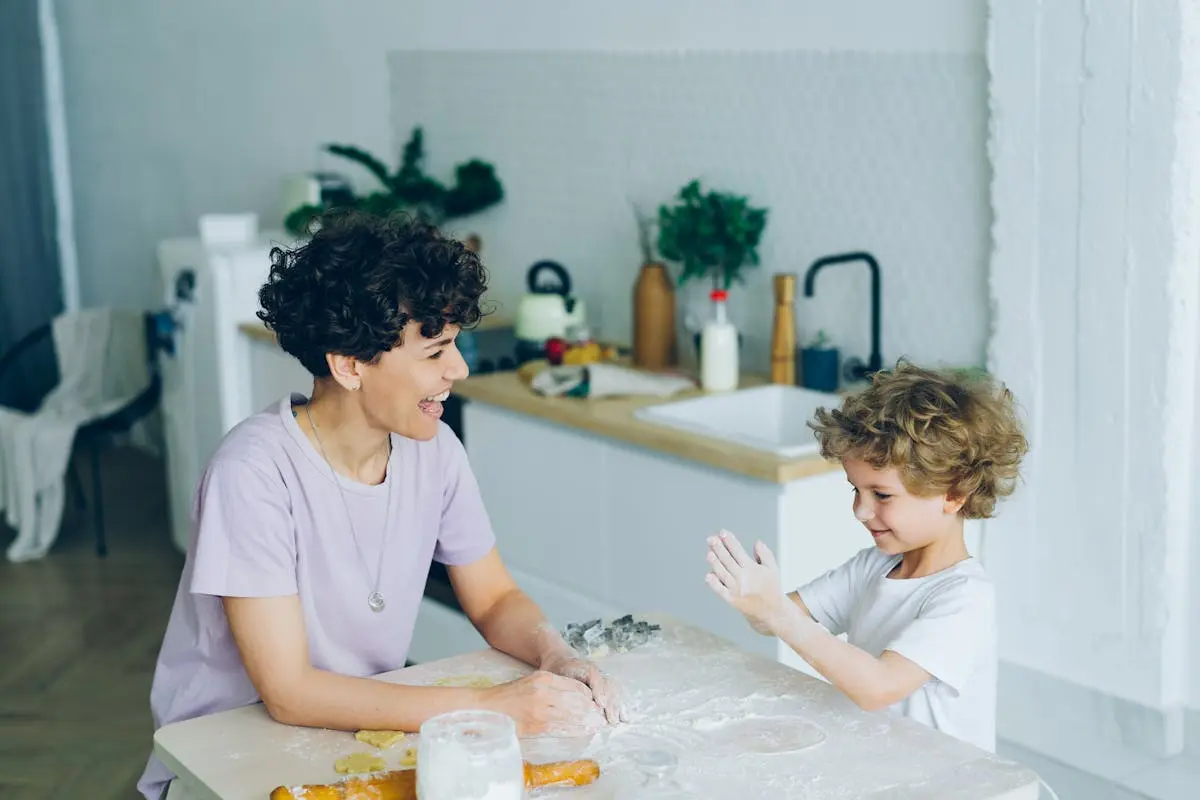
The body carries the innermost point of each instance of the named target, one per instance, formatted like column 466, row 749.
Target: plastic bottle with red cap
column 719, row 349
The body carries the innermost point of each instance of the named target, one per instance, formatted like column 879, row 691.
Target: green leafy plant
column 819, row 342
column 410, row 188
column 711, row 234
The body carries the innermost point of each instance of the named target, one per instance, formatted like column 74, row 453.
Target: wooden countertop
column 742, row 727
column 614, row 417
column 257, row 331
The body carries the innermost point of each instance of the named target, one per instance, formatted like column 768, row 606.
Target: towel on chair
column 102, row 363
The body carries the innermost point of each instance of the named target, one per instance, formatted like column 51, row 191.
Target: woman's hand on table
column 748, row 583
column 604, row 690
column 545, row 704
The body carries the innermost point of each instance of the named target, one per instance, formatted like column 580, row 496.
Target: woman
column 317, row 518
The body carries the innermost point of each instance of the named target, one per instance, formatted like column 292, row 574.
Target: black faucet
column 855, row 369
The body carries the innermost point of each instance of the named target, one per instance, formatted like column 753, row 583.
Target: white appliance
column 206, row 381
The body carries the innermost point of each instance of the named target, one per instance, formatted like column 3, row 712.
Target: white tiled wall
column 848, row 151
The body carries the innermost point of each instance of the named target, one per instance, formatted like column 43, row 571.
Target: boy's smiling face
column 898, row 520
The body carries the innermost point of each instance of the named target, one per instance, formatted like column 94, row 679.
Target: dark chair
column 97, row 434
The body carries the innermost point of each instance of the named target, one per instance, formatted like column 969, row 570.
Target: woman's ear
column 344, row 370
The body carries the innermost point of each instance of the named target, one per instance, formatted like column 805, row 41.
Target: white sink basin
column 771, row 418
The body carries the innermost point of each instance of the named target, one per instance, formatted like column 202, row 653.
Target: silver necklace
column 375, row 599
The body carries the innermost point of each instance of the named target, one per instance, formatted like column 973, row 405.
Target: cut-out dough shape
column 379, row 739
column 409, row 759
column 358, row 762
column 467, row 681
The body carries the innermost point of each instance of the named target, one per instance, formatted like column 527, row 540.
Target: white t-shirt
column 945, row 622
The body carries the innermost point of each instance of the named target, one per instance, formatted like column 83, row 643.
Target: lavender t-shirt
column 269, row 520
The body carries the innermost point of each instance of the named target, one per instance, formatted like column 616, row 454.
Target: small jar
column 470, row 754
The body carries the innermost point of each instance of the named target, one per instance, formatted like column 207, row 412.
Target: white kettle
column 548, row 310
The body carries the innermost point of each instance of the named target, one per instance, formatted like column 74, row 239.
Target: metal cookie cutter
column 619, row 636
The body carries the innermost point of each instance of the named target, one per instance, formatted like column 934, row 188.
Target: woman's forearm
column 517, row 626
column 320, row 699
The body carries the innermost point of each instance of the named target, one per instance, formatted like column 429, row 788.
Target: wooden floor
column 78, row 639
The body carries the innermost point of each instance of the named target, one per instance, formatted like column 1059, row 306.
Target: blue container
column 819, row 368
column 469, row 348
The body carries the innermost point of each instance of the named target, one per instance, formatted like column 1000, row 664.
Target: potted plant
column 819, row 364
column 712, row 235
column 475, row 188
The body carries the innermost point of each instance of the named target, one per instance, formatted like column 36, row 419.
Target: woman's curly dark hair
column 360, row 279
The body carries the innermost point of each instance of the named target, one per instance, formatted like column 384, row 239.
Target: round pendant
column 375, row 601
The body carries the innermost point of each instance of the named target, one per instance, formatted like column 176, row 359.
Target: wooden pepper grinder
column 783, row 333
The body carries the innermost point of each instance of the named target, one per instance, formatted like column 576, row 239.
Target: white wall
column 1194, row 606
column 1188, row 131
column 884, row 152
column 1094, row 287
column 179, row 109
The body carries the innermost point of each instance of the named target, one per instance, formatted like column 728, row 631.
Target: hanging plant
column 410, row 188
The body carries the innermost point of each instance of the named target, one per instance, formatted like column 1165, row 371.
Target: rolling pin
column 402, row 784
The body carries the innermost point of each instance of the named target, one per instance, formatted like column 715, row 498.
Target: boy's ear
column 953, row 504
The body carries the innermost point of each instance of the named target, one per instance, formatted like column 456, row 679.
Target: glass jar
column 470, row 755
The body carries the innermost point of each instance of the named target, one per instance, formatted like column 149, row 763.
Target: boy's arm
column 765, row 630
column 872, row 683
column 794, row 596
column 750, row 583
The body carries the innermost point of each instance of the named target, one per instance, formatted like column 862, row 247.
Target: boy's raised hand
column 748, row 583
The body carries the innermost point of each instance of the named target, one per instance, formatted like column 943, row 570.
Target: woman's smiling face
column 403, row 391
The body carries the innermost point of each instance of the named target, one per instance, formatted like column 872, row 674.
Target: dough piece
column 358, row 762
column 379, row 739
column 409, row 759
column 467, row 681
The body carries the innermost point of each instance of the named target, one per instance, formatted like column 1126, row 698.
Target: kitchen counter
column 736, row 725
column 257, row 331
column 614, row 418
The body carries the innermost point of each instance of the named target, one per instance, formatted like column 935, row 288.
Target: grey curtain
column 30, row 280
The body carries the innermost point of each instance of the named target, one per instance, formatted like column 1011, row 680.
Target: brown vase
column 653, row 318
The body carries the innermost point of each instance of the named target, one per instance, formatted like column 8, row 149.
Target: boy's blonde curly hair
column 945, row 432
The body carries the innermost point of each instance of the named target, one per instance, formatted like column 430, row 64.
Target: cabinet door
column 545, row 489
column 272, row 376
column 663, row 510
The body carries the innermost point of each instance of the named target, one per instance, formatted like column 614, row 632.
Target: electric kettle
column 547, row 311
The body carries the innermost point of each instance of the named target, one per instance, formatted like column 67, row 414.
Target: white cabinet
column 595, row 527
column 546, row 490
column 271, row 375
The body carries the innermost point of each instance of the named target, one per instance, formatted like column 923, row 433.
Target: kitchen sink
column 771, row 418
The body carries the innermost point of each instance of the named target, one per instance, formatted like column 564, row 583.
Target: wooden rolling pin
column 402, row 784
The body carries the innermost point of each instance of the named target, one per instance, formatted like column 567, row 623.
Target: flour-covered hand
column 605, row 690
column 748, row 583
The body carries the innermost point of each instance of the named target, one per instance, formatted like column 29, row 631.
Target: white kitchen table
column 735, row 725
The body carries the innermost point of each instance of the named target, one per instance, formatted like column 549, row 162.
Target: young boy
column 923, row 451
